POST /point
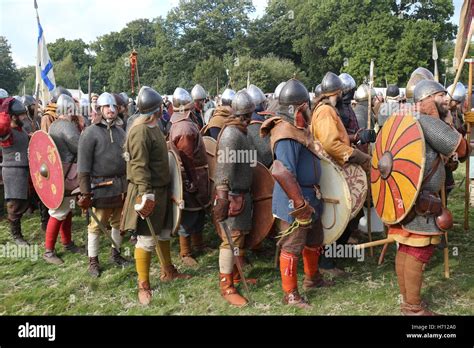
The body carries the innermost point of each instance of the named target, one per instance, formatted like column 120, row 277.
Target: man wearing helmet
column 328, row 128
column 221, row 115
column 199, row 95
column 14, row 143
column 296, row 197
column 65, row 134
column 260, row 144
column 456, row 97
column 50, row 115
column 391, row 104
column 146, row 155
column 185, row 139
column 233, row 202
column 427, row 220
column 102, row 178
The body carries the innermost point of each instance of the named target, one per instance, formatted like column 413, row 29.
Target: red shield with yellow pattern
column 46, row 169
column 398, row 165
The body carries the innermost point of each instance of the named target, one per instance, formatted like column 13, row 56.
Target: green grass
column 29, row 287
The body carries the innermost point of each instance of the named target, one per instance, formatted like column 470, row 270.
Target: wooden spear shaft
column 468, row 139
column 369, row 191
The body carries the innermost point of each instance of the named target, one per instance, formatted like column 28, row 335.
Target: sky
column 84, row 19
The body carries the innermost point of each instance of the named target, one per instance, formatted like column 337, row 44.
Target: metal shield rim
column 60, row 167
column 345, row 188
column 422, row 170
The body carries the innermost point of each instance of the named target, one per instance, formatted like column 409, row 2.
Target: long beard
column 442, row 111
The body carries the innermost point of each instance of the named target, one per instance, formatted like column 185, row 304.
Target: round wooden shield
column 398, row 165
column 176, row 202
column 46, row 169
column 357, row 181
column 262, row 216
column 211, row 147
column 337, row 201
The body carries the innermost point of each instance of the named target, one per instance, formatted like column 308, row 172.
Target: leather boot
column 293, row 298
column 15, row 230
column 73, row 248
column 236, row 274
column 144, row 292
column 416, row 310
column 413, row 275
column 197, row 243
column 169, row 273
column 94, row 269
column 229, row 292
column 399, row 269
column 117, row 259
column 185, row 251
column 51, row 257
column 317, row 281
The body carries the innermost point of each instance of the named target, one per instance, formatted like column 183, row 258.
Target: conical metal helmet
column 65, row 105
column 181, row 97
column 243, row 103
column 362, row 93
column 417, row 75
column 257, row 95
column 227, row 97
column 331, row 84
column 459, row 93
column 293, row 93
column 149, row 101
column 426, row 88
column 277, row 92
column 198, row 92
column 348, row 82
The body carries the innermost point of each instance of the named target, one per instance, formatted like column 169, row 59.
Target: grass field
column 32, row 287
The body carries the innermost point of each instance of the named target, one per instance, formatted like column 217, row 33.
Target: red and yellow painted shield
column 46, row 169
column 398, row 165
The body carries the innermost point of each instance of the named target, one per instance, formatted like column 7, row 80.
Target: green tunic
column 147, row 172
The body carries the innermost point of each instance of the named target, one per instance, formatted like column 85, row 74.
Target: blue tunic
column 306, row 168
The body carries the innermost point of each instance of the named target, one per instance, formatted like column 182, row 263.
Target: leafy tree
column 9, row 75
column 65, row 73
column 28, row 79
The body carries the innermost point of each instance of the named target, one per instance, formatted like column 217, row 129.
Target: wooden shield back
column 176, row 201
column 262, row 216
column 46, row 169
column 337, row 202
column 357, row 182
column 211, row 147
